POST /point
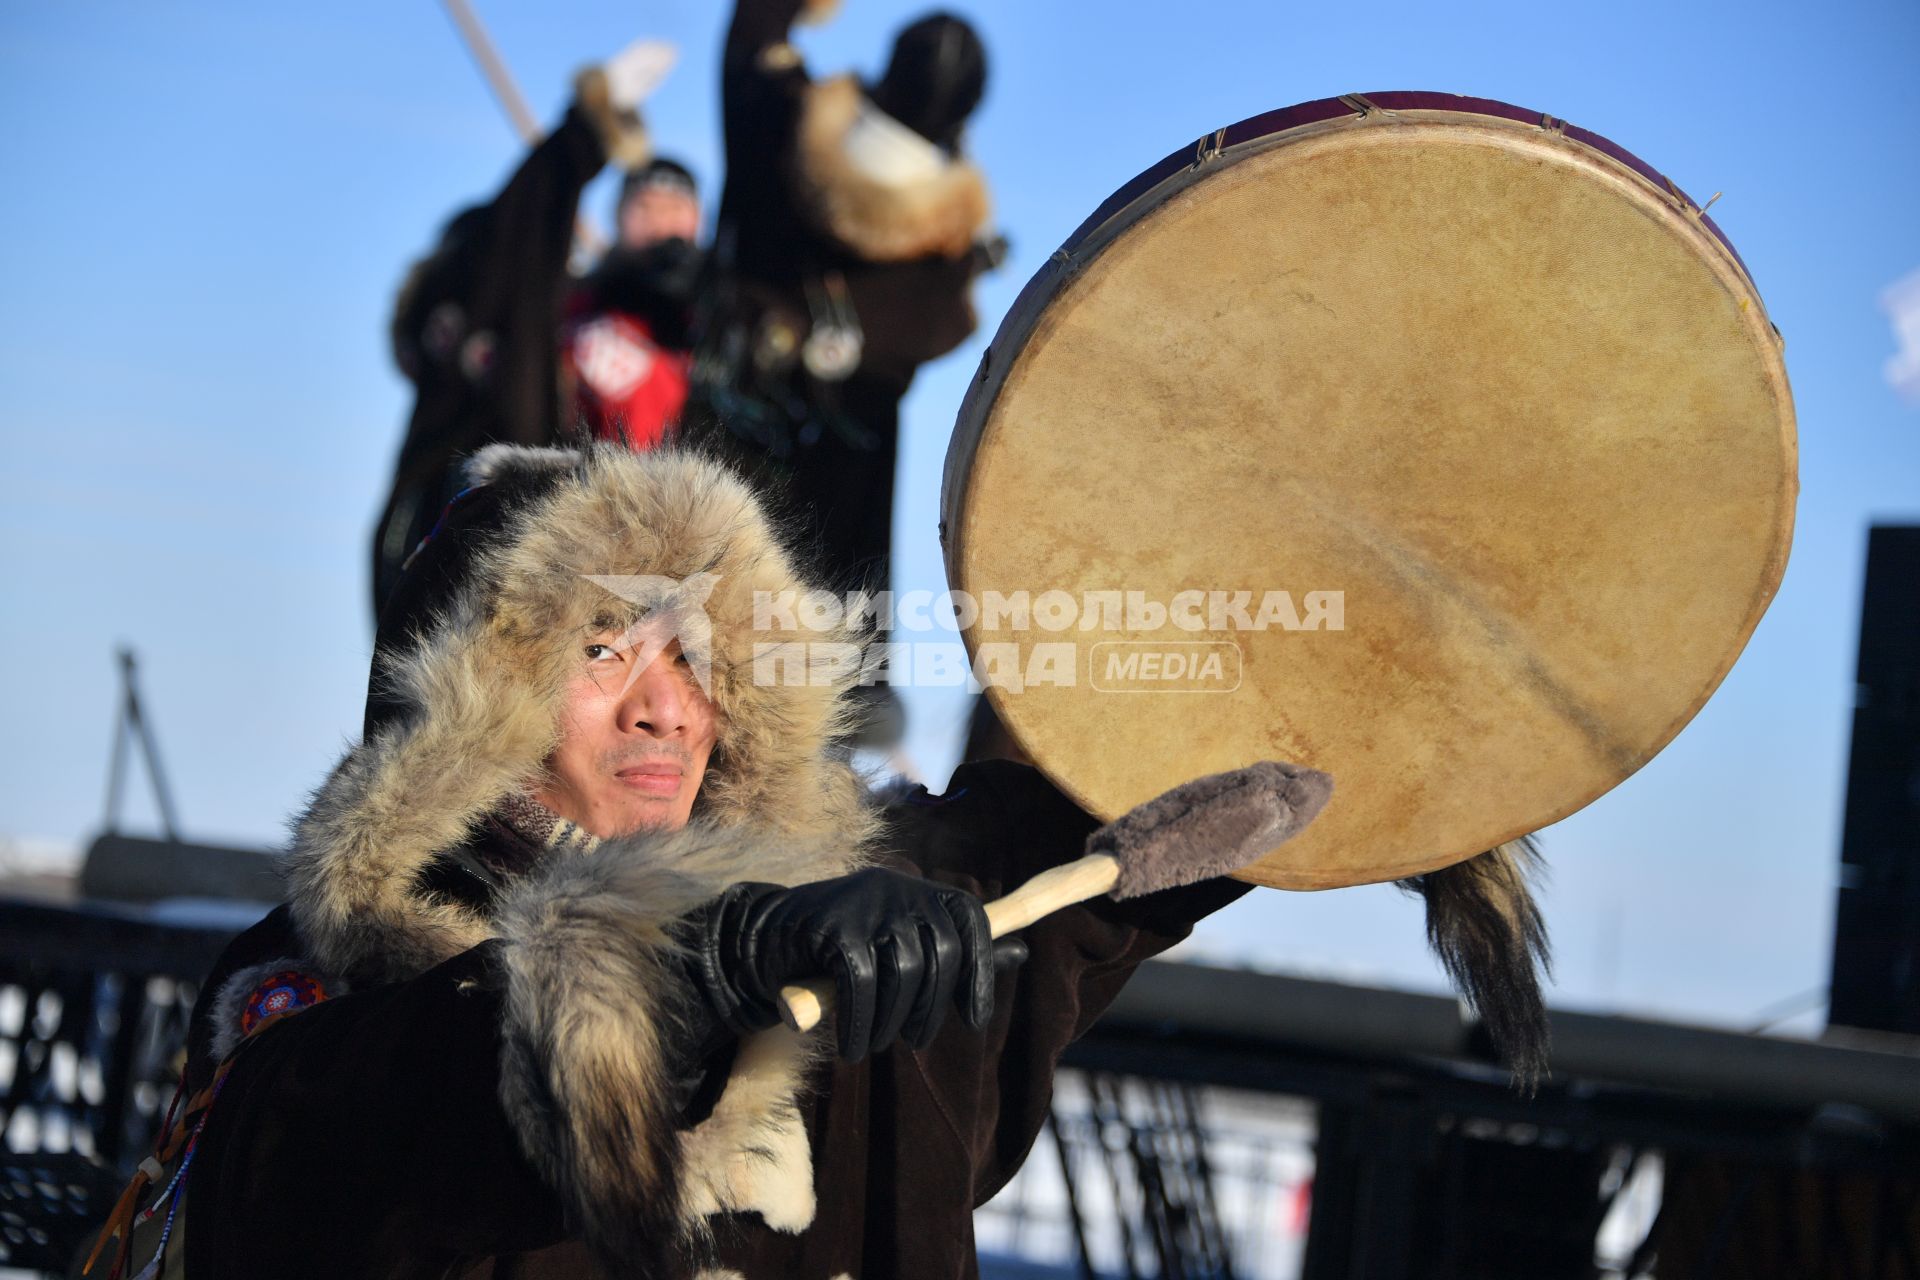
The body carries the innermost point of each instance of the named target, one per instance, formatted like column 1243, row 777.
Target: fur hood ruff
column 583, row 938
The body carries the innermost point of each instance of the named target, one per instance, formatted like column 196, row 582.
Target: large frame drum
column 1492, row 402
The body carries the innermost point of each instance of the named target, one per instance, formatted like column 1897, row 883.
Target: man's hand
column 899, row 949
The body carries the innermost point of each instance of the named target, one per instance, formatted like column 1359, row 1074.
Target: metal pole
column 116, row 764
column 480, row 45
column 500, row 80
column 1073, row 1192
column 148, row 747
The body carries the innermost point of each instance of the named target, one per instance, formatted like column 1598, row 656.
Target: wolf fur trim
column 483, row 689
column 1486, row 928
column 591, row 1006
column 498, row 461
column 936, row 209
column 752, row 1154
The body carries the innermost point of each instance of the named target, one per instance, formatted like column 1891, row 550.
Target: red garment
column 627, row 388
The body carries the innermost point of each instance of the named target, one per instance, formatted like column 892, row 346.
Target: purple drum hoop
column 1264, row 127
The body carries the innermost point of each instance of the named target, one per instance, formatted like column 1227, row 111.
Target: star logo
column 669, row 609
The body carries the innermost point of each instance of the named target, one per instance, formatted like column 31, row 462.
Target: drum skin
column 1491, row 383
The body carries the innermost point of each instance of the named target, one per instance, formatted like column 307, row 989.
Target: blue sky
column 208, row 207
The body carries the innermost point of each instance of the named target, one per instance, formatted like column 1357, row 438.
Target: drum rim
column 1160, row 183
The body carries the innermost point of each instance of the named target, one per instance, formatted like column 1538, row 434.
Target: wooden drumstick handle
column 803, row 1004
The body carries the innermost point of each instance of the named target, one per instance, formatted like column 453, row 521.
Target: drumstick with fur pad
column 1204, row 828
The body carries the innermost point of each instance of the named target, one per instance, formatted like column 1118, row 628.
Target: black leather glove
column 899, row 949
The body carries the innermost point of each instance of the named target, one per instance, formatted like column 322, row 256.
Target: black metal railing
column 94, row 1003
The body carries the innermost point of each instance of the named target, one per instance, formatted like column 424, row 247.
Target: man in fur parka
column 516, row 1017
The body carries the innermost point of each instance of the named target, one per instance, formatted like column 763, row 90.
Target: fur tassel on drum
column 1485, row 927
